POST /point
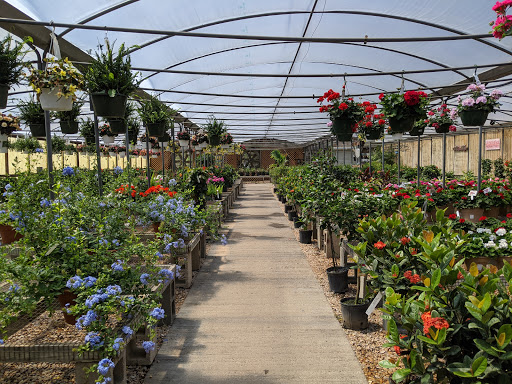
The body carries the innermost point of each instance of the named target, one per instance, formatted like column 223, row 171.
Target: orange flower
column 405, row 240
column 379, row 245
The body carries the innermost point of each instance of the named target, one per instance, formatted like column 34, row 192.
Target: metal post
column 98, row 158
column 163, row 163
column 49, row 154
column 398, row 161
column 444, row 160
column 382, row 154
column 370, row 155
column 418, row 164
column 127, row 141
column 147, row 159
column 479, row 158
column 173, row 151
column 360, row 155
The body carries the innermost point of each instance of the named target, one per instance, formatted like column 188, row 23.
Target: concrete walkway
column 256, row 313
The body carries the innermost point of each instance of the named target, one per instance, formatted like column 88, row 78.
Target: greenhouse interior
column 302, row 191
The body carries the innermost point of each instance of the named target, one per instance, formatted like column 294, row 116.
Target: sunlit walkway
column 256, row 313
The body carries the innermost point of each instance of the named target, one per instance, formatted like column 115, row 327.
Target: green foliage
column 58, row 144
column 486, row 168
column 69, row 115
column 11, row 58
column 278, row 158
column 87, row 131
column 214, row 127
column 430, row 172
column 31, row 112
column 499, row 168
column 29, row 144
column 152, row 110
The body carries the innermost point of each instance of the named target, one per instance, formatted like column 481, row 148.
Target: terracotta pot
column 67, row 297
column 9, row 234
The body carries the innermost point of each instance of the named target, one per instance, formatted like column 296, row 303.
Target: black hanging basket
column 69, row 127
column 117, row 126
column 38, row 130
column 109, row 107
column 443, row 128
column 156, row 129
column 347, row 136
column 342, row 125
column 473, row 118
column 402, row 125
column 417, row 131
column 374, row 135
column 214, row 140
column 4, row 91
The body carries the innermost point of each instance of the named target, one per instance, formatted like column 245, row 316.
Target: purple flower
column 68, row 171
column 118, row 266
column 148, row 346
column 86, row 320
column 94, row 339
column 144, row 278
column 117, row 343
column 89, row 281
column 157, row 313
column 223, row 240
column 104, row 366
column 469, row 102
column 481, row 100
column 127, row 330
column 74, row 282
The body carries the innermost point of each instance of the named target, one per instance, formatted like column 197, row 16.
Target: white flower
column 501, row 232
column 503, row 244
column 487, row 230
column 489, row 244
column 480, row 230
column 470, row 232
column 492, row 237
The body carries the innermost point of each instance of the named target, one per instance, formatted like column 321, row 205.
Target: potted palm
column 155, row 115
column 87, row 131
column 402, row 110
column 32, row 114
column 8, row 124
column 106, row 133
column 56, row 84
column 474, row 109
column 214, row 130
column 11, row 57
column 68, row 119
column 226, row 140
column 183, row 138
column 110, row 81
column 344, row 113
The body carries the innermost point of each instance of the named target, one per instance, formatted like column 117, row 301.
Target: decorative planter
column 401, row 125
column 156, row 129
column 4, row 91
column 341, row 125
column 50, row 101
column 38, row 130
column 471, row 214
column 443, row 128
column 68, row 127
column 416, row 131
column 214, row 140
column 373, row 135
column 354, row 315
column 65, row 298
column 9, row 234
column 108, row 139
column 183, row 143
column 224, row 146
column 473, row 118
column 109, row 107
column 117, row 126
column 4, row 143
column 338, row 279
column 305, row 236
column 347, row 136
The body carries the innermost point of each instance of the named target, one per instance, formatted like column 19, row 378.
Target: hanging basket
column 373, row 135
column 345, row 136
column 38, row 129
column 183, row 143
column 50, row 101
column 108, row 139
column 117, row 126
column 473, row 118
column 4, row 91
column 214, row 140
column 417, row 131
column 4, row 143
column 342, row 125
column 109, row 107
column 443, row 128
column 156, row 129
column 224, row 146
column 69, row 127
column 402, row 125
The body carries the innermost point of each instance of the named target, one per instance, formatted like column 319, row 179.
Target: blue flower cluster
column 94, row 339
column 127, row 330
column 104, row 366
column 223, row 240
column 118, row 266
column 148, row 346
column 118, row 170
column 74, row 282
column 39, row 150
column 68, row 171
column 144, row 278
column 45, row 203
column 117, row 344
column 180, row 243
column 86, row 320
column 157, row 313
column 167, row 275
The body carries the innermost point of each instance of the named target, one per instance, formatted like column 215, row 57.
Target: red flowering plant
column 400, row 106
column 455, row 326
column 502, row 26
column 183, row 135
column 372, row 125
column 340, row 107
column 441, row 119
column 104, row 130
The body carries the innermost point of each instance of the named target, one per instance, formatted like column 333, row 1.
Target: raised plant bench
column 132, row 354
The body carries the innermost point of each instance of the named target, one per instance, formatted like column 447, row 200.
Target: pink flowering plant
column 502, row 26
column 442, row 115
column 477, row 99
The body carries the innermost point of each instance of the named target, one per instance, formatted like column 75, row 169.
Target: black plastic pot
column 117, row 126
column 69, row 127
column 443, row 128
column 338, row 279
column 374, row 135
column 279, row 197
column 4, row 91
column 401, row 125
column 292, row 215
column 305, row 236
column 354, row 315
column 214, row 140
column 342, row 125
column 38, row 130
column 475, row 118
column 287, row 208
column 156, row 129
column 345, row 136
column 109, row 107
column 296, row 222
column 275, row 190
column 283, row 199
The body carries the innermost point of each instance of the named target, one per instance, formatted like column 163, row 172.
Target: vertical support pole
column 418, row 162
column 370, row 155
column 444, row 160
column 7, row 164
column 360, row 155
column 163, row 164
column 173, row 151
column 49, row 154
column 147, row 159
column 398, row 161
column 382, row 154
column 480, row 158
column 98, row 158
column 127, row 144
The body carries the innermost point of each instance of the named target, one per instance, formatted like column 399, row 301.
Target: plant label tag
column 472, row 194
column 374, row 303
column 458, row 213
column 487, row 190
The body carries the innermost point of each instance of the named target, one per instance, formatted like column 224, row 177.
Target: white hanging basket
column 198, row 147
column 108, row 139
column 224, row 146
column 154, row 156
column 183, row 143
column 69, row 153
column 51, row 102
column 3, row 143
column 122, row 154
column 111, row 154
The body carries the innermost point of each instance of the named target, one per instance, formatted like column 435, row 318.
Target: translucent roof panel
column 280, row 105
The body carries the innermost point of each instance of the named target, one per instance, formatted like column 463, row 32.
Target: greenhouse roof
column 260, row 65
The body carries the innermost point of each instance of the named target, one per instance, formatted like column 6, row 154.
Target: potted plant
column 419, row 127
column 441, row 118
column 371, row 127
column 502, row 26
column 183, row 137
column 8, row 124
column 11, row 57
column 474, row 109
column 56, row 84
column 226, row 140
column 106, row 133
column 68, row 119
column 32, row 114
column 58, row 144
column 70, row 149
column 133, row 130
column 155, row 115
column 118, row 125
column 214, row 130
column 112, row 150
column 87, row 131
column 121, row 150
column 344, row 113
column 336, row 275
column 27, row 145
column 402, row 110
column 110, row 81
